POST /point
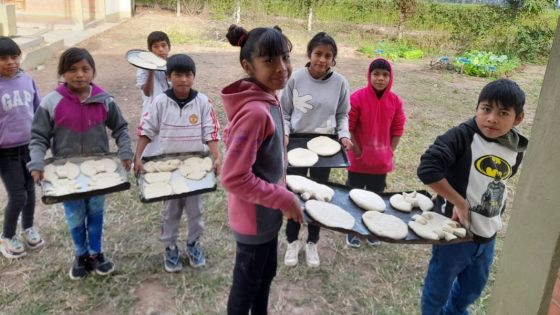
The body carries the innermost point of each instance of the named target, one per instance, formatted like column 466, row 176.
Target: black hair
column 71, row 56
column 180, row 63
column 504, row 92
column 157, row 36
column 259, row 42
column 381, row 64
column 8, row 47
column 322, row 38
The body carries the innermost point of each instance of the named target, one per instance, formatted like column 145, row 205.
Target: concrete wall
column 8, row 20
column 531, row 252
column 91, row 9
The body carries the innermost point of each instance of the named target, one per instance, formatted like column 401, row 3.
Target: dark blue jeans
column 20, row 188
column 85, row 223
column 456, row 276
column 255, row 267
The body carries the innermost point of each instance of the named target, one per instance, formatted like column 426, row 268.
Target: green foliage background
column 520, row 28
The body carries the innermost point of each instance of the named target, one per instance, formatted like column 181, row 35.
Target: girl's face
column 79, row 77
column 272, row 73
column 9, row 65
column 321, row 60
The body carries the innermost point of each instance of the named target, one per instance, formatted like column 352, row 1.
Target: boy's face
column 182, row 83
column 494, row 120
column 380, row 79
column 161, row 49
column 9, row 65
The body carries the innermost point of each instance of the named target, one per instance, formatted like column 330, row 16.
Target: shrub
column 484, row 64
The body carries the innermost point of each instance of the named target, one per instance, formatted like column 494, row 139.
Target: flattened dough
column 160, row 177
column 323, row 146
column 308, row 188
column 406, row 201
column 329, row 214
column 434, row 226
column 105, row 180
column 179, row 186
column 385, row 225
column 50, row 173
column 207, row 164
column 68, row 170
column 88, row 168
column 109, row 165
column 196, row 175
column 139, row 62
column 301, row 157
column 367, row 200
column 151, row 58
column 157, row 189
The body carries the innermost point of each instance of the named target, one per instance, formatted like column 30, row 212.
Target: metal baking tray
column 339, row 160
column 135, row 52
column 204, row 185
column 342, row 199
column 83, row 180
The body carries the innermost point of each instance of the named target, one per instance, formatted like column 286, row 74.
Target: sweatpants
column 172, row 211
column 20, row 188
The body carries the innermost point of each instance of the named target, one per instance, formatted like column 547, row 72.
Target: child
column 19, row 99
column 74, row 117
column 315, row 100
column 466, row 167
column 185, row 122
column 153, row 83
column 376, row 124
column 255, row 163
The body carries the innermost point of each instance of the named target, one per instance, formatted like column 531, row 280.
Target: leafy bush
column 484, row 64
column 392, row 50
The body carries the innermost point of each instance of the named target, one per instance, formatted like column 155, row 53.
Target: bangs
column 8, row 47
column 272, row 43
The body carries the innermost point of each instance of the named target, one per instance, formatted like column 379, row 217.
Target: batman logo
column 493, row 166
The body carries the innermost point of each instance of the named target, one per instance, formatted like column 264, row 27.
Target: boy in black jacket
column 466, row 167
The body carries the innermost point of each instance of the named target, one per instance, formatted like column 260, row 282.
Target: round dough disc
column 50, row 173
column 367, row 200
column 179, row 186
column 150, row 167
column 88, row 168
column 157, row 190
column 301, row 157
column 329, row 214
column 385, row 225
column 139, row 62
column 109, row 165
column 323, row 146
column 68, row 170
column 162, row 177
column 151, row 58
column 197, row 174
column 207, row 164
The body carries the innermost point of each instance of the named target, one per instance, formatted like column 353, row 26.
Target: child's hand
column 347, row 144
column 294, row 212
column 217, row 166
column 126, row 164
column 461, row 214
column 138, row 167
column 37, row 176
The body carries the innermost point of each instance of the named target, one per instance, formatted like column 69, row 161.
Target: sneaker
column 172, row 260
column 292, row 252
column 352, row 241
column 100, row 265
column 311, row 255
column 12, row 247
column 79, row 268
column 195, row 254
column 32, row 238
column 373, row 243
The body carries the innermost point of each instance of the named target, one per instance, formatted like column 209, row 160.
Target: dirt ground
column 426, row 93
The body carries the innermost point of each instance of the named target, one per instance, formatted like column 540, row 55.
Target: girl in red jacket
column 376, row 122
column 254, row 167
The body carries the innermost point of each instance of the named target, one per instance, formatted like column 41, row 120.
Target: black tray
column 339, row 160
column 342, row 200
column 134, row 52
column 48, row 200
column 206, row 184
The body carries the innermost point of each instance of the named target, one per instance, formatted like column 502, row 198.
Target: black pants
column 20, row 188
column 292, row 227
column 371, row 182
column 255, row 267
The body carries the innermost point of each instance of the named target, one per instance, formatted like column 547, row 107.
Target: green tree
column 406, row 9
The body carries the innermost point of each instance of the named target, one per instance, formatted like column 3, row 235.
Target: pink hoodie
column 254, row 166
column 373, row 122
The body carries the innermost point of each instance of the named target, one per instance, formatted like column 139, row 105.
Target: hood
column 237, row 94
column 389, row 86
column 98, row 95
column 513, row 140
column 18, row 74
